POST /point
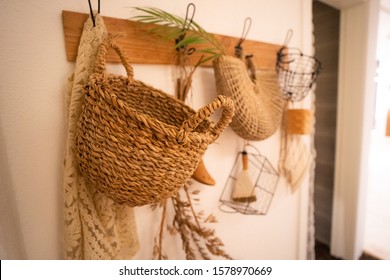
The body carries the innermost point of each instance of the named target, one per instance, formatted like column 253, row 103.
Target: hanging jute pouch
column 138, row 144
column 299, row 121
column 258, row 103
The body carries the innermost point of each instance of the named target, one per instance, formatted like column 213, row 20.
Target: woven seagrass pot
column 137, row 144
column 258, row 105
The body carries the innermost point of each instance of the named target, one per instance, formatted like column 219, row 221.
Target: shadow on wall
column 11, row 241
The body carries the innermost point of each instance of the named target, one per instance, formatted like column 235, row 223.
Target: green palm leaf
column 172, row 27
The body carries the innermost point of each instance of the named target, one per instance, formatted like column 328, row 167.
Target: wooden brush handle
column 244, row 160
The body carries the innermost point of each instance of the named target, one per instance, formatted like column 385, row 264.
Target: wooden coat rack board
column 144, row 48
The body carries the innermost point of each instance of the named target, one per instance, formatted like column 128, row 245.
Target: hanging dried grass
column 198, row 241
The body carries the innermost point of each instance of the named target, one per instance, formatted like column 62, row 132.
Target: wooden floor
column 323, row 253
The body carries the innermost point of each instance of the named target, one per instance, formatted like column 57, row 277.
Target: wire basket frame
column 265, row 179
column 297, row 73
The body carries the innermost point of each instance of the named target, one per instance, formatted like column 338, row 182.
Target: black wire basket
column 265, row 180
column 297, row 73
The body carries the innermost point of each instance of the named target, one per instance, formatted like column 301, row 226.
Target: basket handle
column 226, row 103
column 108, row 43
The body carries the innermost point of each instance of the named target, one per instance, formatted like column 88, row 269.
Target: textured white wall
column 33, row 75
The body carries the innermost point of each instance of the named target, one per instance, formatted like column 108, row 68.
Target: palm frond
column 185, row 33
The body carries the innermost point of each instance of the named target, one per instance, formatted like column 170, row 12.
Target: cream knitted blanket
column 95, row 227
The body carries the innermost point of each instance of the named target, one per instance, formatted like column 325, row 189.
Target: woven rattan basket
column 136, row 143
column 258, row 105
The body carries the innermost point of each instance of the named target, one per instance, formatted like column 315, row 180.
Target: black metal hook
column 283, row 48
column 245, row 31
column 91, row 11
column 186, row 25
column 288, row 37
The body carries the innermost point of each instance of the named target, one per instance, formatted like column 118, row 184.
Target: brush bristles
column 245, row 199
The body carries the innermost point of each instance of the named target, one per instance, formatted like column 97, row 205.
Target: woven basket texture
column 258, row 105
column 299, row 121
column 138, row 144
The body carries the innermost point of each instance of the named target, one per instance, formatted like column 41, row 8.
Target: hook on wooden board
column 143, row 48
column 91, row 11
column 186, row 25
column 245, row 31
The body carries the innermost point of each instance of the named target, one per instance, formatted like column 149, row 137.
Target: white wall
column 32, row 85
column 382, row 98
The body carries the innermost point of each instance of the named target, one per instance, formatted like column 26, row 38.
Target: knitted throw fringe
column 137, row 144
column 94, row 226
column 258, row 105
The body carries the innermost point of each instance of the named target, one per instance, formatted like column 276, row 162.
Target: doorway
column 377, row 226
column 355, row 123
column 326, row 22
